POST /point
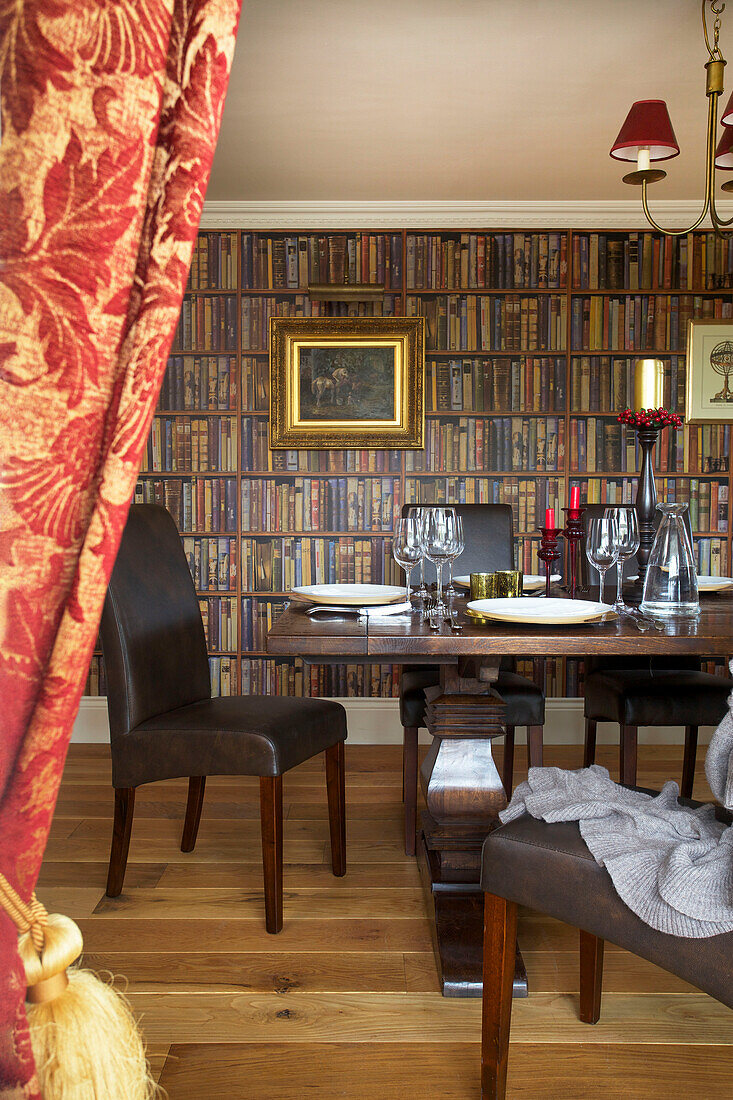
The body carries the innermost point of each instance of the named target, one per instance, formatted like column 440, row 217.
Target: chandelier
column 647, row 136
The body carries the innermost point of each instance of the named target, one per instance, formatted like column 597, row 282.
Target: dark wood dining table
column 462, row 788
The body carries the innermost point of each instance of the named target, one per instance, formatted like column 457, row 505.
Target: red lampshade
column 727, row 116
column 647, row 126
column 724, row 152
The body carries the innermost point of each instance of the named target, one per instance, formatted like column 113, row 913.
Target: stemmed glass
column 407, row 548
column 600, row 548
column 440, row 544
column 419, row 515
column 626, row 538
column 460, row 545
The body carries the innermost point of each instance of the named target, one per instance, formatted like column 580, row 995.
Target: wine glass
column 627, row 543
column 407, row 547
column 439, row 543
column 419, row 515
column 600, row 548
column 459, row 548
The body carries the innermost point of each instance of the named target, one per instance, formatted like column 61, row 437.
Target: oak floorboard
column 154, row 809
column 155, row 850
column 425, row 1017
column 299, row 904
column 558, row 972
column 76, row 873
column 247, row 876
column 220, row 935
column 156, row 1054
column 75, row 901
column 213, row 830
column 259, row 971
column 428, row 1071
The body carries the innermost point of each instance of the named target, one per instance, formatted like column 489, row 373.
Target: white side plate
column 350, row 595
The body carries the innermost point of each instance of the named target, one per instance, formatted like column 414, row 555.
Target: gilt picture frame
column 709, row 383
column 339, row 382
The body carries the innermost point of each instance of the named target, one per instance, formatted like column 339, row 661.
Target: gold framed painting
column 347, row 382
column 709, row 392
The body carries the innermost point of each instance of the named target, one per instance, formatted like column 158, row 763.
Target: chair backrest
column 631, row 569
column 152, row 635
column 488, row 530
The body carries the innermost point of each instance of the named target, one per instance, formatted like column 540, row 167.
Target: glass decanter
column 670, row 586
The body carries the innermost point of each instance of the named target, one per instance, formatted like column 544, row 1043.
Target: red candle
column 575, row 496
column 550, row 518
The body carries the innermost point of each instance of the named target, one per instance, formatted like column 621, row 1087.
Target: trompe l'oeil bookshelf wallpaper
column 531, row 340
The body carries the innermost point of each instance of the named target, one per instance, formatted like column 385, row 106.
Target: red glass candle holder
column 549, row 551
column 573, row 533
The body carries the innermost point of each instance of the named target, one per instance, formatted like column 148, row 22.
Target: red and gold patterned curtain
column 110, row 114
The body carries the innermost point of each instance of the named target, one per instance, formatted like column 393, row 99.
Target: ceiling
column 484, row 100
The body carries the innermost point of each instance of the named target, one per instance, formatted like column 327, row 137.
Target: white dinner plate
column 540, row 611
column 532, row 581
column 350, row 595
column 714, row 584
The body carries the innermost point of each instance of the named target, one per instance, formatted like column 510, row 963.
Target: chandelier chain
column 717, row 9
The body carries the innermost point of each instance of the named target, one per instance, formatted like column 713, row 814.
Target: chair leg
column 271, row 815
column 627, row 755
column 121, row 829
column 500, row 948
column 336, row 786
column 196, row 786
column 589, row 751
column 591, row 977
column 534, row 746
column 507, row 777
column 688, row 764
column 409, row 785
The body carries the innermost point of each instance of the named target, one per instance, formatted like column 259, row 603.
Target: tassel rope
column 85, row 1041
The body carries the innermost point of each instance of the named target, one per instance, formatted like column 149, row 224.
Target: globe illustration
column 721, row 360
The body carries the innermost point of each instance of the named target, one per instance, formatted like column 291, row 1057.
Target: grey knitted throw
column 671, row 865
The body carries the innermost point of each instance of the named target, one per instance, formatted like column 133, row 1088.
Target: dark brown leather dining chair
column 648, row 691
column 164, row 723
column 489, row 538
column 548, row 867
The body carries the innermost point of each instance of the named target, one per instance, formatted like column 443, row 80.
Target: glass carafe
column 670, row 586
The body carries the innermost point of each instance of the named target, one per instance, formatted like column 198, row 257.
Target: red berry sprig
column 650, row 418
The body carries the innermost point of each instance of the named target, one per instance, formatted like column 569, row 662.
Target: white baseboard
column 377, row 722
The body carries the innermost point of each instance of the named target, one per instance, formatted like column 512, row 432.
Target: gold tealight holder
column 483, row 586
column 508, row 582
column 500, row 584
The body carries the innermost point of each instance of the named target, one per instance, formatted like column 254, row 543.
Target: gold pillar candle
column 648, row 384
column 508, row 582
column 483, row 586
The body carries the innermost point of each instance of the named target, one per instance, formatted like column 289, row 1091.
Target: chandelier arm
column 671, row 232
column 718, row 222
column 709, row 202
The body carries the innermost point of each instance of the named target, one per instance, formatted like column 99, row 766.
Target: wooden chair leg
column 507, row 776
column 627, row 754
column 271, row 816
column 121, row 829
column 589, row 751
column 591, row 977
column 196, row 786
column 688, row 763
column 409, row 786
column 500, row 946
column 336, row 786
column 534, row 746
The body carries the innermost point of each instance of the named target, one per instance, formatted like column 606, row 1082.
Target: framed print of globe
column 709, row 391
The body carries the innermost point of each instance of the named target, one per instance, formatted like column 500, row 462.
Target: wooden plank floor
column 344, row 1002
